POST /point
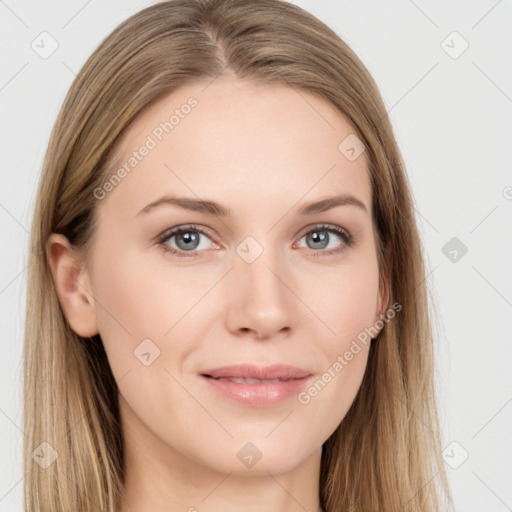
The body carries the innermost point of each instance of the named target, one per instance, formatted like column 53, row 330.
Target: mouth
column 247, row 380
column 248, row 372
column 257, row 386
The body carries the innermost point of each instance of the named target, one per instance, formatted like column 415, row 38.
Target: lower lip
column 265, row 394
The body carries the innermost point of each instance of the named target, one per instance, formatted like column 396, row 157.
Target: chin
column 259, row 457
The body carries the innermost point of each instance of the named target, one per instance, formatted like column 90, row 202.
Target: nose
column 261, row 301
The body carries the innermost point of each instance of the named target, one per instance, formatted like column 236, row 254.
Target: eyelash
column 347, row 238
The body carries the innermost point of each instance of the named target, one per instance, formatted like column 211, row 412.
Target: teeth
column 248, row 381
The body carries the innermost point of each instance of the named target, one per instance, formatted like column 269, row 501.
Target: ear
column 72, row 284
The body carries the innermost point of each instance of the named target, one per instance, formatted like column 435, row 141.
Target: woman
column 227, row 306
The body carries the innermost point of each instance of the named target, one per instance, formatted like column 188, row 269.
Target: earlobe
column 72, row 285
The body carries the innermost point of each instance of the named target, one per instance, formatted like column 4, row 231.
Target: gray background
column 452, row 116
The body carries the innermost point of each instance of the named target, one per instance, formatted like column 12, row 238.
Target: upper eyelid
column 168, row 233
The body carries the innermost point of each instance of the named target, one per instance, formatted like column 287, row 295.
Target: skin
column 262, row 151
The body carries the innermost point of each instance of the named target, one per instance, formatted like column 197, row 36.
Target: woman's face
column 259, row 283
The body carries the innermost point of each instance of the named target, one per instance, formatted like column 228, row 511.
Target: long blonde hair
column 385, row 455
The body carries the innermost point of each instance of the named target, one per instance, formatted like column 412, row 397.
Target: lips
column 257, row 386
column 251, row 374
column 249, row 381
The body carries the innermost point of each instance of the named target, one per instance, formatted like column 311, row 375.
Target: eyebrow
column 210, row 207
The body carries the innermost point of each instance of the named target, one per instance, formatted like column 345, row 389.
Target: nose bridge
column 263, row 279
column 261, row 300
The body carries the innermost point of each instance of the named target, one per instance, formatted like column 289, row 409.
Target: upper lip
column 249, row 371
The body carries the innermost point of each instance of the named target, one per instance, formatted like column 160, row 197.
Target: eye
column 188, row 240
column 319, row 239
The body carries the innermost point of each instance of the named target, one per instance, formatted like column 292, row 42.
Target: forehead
column 267, row 145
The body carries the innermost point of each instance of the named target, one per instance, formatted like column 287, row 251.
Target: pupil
column 320, row 237
column 189, row 238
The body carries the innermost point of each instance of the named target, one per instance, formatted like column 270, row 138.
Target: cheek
column 132, row 305
column 348, row 308
column 355, row 308
column 346, row 301
column 344, row 356
column 140, row 300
